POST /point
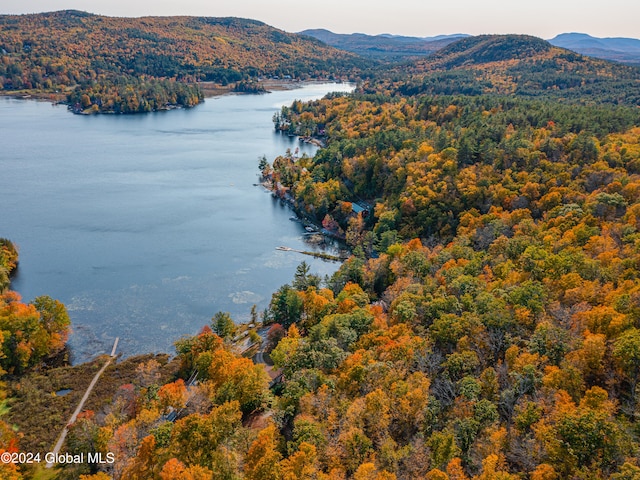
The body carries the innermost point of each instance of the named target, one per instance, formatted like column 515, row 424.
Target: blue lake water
column 146, row 225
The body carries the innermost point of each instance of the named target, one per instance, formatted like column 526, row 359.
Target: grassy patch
column 123, row 373
column 35, row 409
column 40, row 415
column 41, row 473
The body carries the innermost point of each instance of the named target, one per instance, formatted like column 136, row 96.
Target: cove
column 146, row 225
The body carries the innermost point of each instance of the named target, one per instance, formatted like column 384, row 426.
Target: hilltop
column 220, row 49
column 57, row 50
column 521, row 65
column 483, row 49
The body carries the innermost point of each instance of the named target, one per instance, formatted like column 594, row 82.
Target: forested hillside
column 524, row 66
column 494, row 333
column 141, row 64
column 487, row 325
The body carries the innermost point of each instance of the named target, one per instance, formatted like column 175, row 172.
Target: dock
column 324, row 256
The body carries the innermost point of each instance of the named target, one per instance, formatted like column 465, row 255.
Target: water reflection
column 145, row 226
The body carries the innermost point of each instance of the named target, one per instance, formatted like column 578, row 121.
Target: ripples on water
column 145, row 226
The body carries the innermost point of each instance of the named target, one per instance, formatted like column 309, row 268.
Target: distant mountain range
column 385, row 45
column 624, row 50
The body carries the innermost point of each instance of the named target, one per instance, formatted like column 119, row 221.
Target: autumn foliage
column 128, row 65
column 487, row 325
column 493, row 332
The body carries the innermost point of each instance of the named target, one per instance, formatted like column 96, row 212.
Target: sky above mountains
column 543, row 18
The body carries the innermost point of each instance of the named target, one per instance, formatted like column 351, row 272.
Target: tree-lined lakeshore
column 127, row 65
column 486, row 325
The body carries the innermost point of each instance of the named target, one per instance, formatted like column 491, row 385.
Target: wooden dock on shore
column 324, row 256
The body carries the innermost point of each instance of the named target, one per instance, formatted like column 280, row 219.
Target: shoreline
column 209, row 90
column 303, row 217
column 212, row 90
column 78, row 356
column 53, row 97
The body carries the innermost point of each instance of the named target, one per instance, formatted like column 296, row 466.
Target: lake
column 147, row 225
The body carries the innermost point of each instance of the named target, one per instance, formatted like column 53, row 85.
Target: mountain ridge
column 383, row 45
column 72, row 44
column 520, row 65
column 619, row 49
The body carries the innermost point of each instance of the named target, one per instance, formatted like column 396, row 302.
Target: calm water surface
column 146, row 225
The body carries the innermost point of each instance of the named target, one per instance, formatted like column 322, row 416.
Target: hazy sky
column 543, row 18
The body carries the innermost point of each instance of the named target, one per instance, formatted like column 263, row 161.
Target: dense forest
column 130, row 65
column 524, row 66
column 487, row 325
column 497, row 259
